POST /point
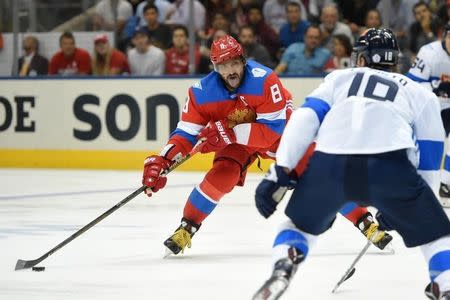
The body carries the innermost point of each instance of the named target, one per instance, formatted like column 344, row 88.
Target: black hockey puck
column 38, row 269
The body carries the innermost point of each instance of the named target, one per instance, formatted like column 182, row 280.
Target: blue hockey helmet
column 379, row 47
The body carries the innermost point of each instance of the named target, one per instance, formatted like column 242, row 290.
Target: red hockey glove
column 216, row 136
column 154, row 165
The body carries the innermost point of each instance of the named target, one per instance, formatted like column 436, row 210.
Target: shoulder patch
column 198, row 85
column 258, row 72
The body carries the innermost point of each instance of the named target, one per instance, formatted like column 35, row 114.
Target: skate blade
column 271, row 290
column 445, row 201
column 168, row 253
column 388, row 250
column 445, row 204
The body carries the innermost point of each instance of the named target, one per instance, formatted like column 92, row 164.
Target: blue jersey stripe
column 433, row 78
column 275, row 125
column 191, row 138
column 348, row 208
column 447, row 163
column 201, row 203
column 210, row 90
column 440, row 262
column 430, row 155
column 417, row 79
column 254, row 79
column 292, row 238
column 319, row 106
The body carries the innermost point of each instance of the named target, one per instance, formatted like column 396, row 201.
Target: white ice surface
column 121, row 257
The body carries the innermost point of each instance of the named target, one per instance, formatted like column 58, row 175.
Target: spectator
column 163, row 6
column 145, row 59
column 105, row 12
column 330, row 26
column 107, row 60
column 177, row 57
column 31, row 63
column 397, row 16
column 274, row 12
column 240, row 14
column 294, row 30
column 252, row 49
column 390, row 9
column 426, row 28
column 354, row 11
column 213, row 7
column 322, row 3
column 265, row 34
column 372, row 20
column 218, row 34
column 135, row 4
column 159, row 34
column 179, row 14
column 305, row 58
column 70, row 60
column 443, row 12
column 219, row 22
column 311, row 9
column 342, row 49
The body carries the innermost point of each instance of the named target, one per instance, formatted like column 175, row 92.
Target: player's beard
column 233, row 81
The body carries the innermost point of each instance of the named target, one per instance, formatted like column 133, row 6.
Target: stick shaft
column 25, row 264
column 349, row 270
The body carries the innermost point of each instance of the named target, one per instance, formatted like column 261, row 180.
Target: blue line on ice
column 42, row 195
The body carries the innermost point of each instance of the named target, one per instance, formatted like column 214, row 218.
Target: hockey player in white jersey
column 379, row 141
column 432, row 69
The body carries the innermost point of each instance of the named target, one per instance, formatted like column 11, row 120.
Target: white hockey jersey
column 431, row 67
column 366, row 111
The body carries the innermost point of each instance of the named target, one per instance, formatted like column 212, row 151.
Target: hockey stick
column 351, row 270
column 26, row 264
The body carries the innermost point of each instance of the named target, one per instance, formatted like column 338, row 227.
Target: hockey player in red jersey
column 239, row 111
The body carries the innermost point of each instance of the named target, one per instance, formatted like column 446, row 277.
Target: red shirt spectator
column 70, row 60
column 178, row 62
column 342, row 49
column 177, row 57
column 119, row 62
column 265, row 34
column 107, row 60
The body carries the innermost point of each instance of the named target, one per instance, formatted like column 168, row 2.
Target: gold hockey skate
column 370, row 229
column 181, row 238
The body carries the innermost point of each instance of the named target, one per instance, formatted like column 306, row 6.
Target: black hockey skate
column 432, row 292
column 181, row 238
column 370, row 229
column 444, row 190
column 283, row 271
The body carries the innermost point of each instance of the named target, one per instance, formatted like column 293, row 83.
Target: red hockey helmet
column 224, row 49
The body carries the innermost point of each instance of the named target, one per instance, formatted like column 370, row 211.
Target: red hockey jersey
column 257, row 111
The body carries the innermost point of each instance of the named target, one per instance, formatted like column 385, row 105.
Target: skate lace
column 182, row 238
column 373, row 234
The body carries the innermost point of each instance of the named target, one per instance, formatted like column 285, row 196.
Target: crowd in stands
column 294, row 37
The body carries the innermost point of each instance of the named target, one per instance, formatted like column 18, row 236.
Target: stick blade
column 25, row 264
column 350, row 274
column 344, row 278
